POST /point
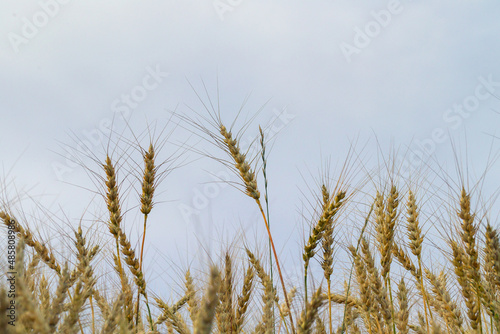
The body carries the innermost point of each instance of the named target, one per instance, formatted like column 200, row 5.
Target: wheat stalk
column 250, row 182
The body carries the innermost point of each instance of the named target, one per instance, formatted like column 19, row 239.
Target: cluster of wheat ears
column 54, row 295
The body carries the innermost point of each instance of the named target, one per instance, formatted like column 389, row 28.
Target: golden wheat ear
column 149, row 180
column 148, row 188
column 404, row 308
column 193, row 301
column 465, row 261
column 310, row 312
column 366, row 296
column 380, row 293
column 206, row 314
column 57, row 305
column 114, row 208
column 244, row 300
column 176, row 321
column 225, row 313
column 323, row 230
column 443, row 302
column 40, row 248
column 350, row 315
column 121, row 239
column 320, row 326
column 269, row 297
column 492, row 257
column 149, row 183
column 491, row 275
column 29, row 316
column 113, row 318
column 167, row 310
column 416, row 239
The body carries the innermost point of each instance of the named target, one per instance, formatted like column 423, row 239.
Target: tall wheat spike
column 148, row 189
column 249, row 180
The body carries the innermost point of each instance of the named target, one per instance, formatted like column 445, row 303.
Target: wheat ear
column 379, row 291
column 404, row 309
column 327, row 262
column 205, row 317
column 56, row 307
column 148, row 189
column 310, row 312
column 468, row 236
column 492, row 256
column 320, row 326
column 30, row 316
column 366, row 297
column 114, row 208
column 251, row 189
column 330, row 209
column 348, row 290
column 116, row 312
column 450, row 312
column 385, row 227
column 416, row 238
column 284, row 310
column 115, row 218
column 43, row 251
column 269, row 294
column 243, row 300
column 491, row 273
column 128, row 307
column 459, row 262
column 168, row 309
column 225, row 316
column 192, row 299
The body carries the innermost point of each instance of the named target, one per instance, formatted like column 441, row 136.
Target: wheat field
column 388, row 287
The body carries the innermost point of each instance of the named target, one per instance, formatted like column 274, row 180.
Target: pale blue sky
column 398, row 71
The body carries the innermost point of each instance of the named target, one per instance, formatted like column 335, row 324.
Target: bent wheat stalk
column 250, row 182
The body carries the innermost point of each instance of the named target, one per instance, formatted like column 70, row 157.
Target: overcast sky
column 414, row 76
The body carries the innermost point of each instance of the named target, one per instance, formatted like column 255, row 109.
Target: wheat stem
column 277, row 264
